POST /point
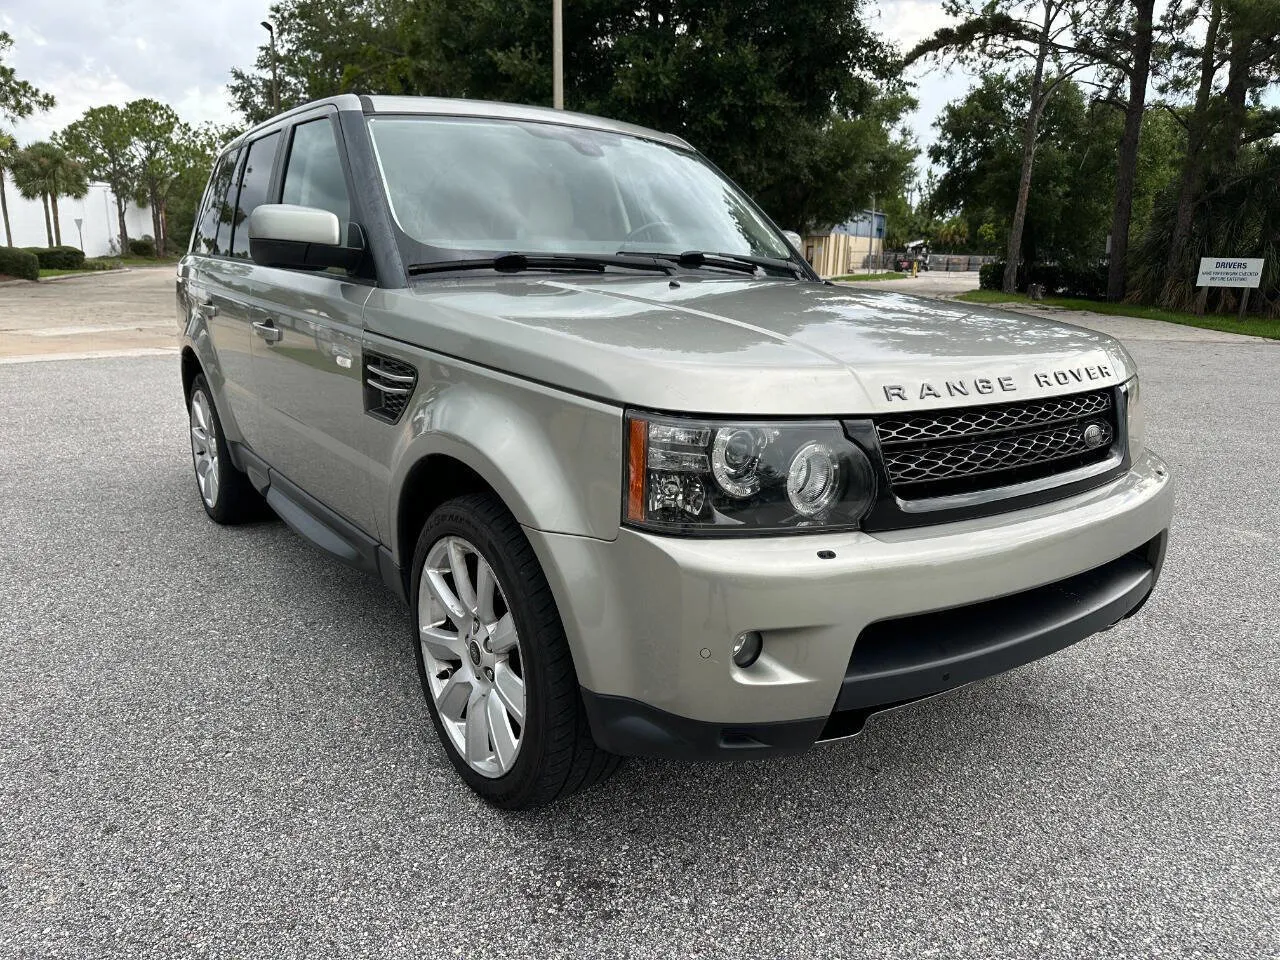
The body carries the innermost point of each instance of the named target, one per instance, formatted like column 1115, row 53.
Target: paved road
column 99, row 314
column 212, row 743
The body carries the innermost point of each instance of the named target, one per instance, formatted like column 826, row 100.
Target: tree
column 8, row 147
column 979, row 150
column 1241, row 36
column 18, row 98
column 1120, row 35
column 776, row 93
column 325, row 47
column 44, row 171
column 1014, row 34
column 103, row 141
column 156, row 133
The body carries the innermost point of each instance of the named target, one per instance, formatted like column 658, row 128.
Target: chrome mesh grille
column 953, row 451
column 1008, row 416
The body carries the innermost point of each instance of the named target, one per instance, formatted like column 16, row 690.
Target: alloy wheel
column 204, row 447
column 472, row 655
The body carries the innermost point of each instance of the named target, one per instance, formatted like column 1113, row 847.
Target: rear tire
column 494, row 662
column 225, row 492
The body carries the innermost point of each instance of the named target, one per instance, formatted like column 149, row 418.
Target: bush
column 19, row 264
column 103, row 263
column 991, row 275
column 1087, row 280
column 58, row 258
column 146, row 247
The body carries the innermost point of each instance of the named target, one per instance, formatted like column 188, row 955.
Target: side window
column 313, row 176
column 205, row 239
column 226, row 207
column 254, row 183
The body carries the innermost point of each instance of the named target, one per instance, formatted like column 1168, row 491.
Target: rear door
column 214, row 308
column 306, row 356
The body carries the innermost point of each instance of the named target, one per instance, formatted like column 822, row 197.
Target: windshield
column 473, row 185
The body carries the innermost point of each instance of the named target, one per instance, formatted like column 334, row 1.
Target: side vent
column 388, row 384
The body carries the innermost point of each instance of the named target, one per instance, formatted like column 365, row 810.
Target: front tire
column 494, row 661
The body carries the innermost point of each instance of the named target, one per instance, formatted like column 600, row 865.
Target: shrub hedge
column 146, row 247
column 19, row 264
column 1087, row 280
column 58, row 258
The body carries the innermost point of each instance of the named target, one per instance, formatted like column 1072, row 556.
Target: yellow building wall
column 834, row 254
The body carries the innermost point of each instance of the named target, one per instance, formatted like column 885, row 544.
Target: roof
column 443, row 106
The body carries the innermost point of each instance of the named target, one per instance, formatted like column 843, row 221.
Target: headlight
column 1137, row 420
column 711, row 477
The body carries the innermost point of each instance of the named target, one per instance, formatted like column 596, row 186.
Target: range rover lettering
column 647, row 484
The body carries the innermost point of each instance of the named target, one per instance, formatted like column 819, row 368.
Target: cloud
column 87, row 53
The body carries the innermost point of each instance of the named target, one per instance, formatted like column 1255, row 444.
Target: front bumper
column 651, row 619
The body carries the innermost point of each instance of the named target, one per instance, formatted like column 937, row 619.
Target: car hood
column 747, row 346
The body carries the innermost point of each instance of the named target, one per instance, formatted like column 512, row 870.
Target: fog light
column 747, row 647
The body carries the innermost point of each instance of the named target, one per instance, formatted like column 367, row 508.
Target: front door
column 307, row 369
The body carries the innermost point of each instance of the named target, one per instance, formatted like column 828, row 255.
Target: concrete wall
column 97, row 210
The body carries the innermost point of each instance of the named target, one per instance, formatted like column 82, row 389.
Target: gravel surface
column 212, row 743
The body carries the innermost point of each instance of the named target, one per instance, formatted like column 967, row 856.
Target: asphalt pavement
column 213, row 743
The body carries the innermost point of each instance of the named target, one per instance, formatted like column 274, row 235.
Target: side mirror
column 306, row 238
column 794, row 239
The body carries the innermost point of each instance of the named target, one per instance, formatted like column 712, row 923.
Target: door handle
column 268, row 331
column 206, row 308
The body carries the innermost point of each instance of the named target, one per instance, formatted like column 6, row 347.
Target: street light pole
column 557, row 53
column 275, row 80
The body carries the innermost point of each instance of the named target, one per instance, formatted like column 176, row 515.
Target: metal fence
column 942, row 262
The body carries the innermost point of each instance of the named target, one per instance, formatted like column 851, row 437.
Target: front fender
column 554, row 458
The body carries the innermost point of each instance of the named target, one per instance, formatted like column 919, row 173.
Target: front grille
column 388, row 384
column 978, row 448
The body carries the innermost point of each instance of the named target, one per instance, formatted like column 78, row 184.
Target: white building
column 96, row 211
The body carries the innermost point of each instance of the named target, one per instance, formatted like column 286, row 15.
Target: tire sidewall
column 455, row 519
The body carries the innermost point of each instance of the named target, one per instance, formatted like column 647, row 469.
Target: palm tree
column 8, row 147
column 45, row 172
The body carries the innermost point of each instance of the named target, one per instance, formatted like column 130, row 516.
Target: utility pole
column 275, row 80
column 557, row 53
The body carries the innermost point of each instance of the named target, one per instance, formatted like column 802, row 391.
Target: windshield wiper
column 744, row 262
column 517, row 262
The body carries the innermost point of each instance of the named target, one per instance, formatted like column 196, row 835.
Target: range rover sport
column 648, row 485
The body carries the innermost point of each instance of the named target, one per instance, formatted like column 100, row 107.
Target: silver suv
column 648, row 485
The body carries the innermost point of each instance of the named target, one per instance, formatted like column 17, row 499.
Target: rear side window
column 313, row 176
column 205, row 239
column 255, row 181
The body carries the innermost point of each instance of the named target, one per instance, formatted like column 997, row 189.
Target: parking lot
column 213, row 742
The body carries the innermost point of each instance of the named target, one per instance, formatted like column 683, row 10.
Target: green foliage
column 19, row 264
column 979, row 149
column 1237, row 213
column 18, row 98
column 991, row 275
column 803, row 117
column 43, row 171
column 102, row 140
column 58, row 258
column 145, row 247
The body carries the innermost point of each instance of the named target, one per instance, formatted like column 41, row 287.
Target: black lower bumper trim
column 896, row 662
column 631, row 728
column 913, row 657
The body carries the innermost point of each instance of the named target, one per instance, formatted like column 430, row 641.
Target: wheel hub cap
column 204, row 447
column 472, row 655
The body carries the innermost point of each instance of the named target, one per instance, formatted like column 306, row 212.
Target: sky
column 91, row 52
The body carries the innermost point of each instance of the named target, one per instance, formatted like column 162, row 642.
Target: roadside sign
column 1230, row 272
